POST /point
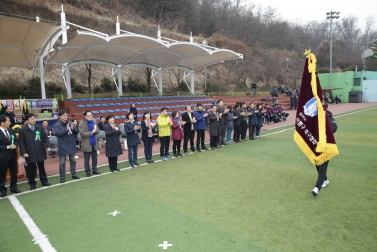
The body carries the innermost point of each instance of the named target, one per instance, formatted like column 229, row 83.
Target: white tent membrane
column 25, row 43
column 22, row 42
column 125, row 49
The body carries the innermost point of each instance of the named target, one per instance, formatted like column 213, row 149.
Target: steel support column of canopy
column 160, row 80
column 192, row 83
column 42, row 77
column 68, row 82
column 120, row 86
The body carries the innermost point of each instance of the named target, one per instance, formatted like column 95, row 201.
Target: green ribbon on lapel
column 37, row 135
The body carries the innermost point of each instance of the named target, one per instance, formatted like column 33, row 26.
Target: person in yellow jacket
column 164, row 123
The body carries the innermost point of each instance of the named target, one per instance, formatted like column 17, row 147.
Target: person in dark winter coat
column 177, row 134
column 113, row 147
column 214, row 127
column 188, row 129
column 222, row 112
column 33, row 145
column 244, row 119
column 8, row 156
column 9, row 113
column 237, row 123
column 200, row 126
column 134, row 111
column 66, row 131
column 47, row 128
column 259, row 113
column 147, row 135
column 132, row 129
column 252, row 120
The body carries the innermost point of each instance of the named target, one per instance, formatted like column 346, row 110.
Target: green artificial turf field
column 250, row 196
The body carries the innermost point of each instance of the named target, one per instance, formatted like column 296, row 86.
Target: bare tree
column 89, row 68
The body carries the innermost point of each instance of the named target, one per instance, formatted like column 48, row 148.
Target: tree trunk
column 148, row 74
column 89, row 68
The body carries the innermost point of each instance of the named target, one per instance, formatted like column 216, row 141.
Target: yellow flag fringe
column 330, row 151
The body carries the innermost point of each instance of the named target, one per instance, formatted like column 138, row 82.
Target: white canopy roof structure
column 133, row 49
column 25, row 43
column 22, row 42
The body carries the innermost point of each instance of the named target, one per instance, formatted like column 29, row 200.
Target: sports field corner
column 250, row 196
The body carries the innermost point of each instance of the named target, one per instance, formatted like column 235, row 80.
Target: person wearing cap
column 200, row 126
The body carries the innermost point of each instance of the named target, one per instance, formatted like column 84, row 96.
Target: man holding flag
column 313, row 132
column 25, row 111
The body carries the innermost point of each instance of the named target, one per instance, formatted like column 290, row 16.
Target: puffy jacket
column 200, row 120
column 164, row 125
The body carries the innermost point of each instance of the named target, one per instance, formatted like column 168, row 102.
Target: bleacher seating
column 120, row 106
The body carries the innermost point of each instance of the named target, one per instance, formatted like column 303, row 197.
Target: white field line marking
column 159, row 160
column 39, row 238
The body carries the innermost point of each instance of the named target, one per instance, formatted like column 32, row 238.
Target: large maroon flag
column 313, row 132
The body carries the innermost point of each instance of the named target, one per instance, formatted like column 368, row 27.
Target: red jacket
column 177, row 133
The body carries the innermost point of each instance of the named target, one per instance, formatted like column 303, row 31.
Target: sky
column 304, row 11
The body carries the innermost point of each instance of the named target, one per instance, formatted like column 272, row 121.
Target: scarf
column 91, row 127
column 149, row 125
column 177, row 120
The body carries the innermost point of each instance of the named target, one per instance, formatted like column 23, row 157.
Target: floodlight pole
column 287, row 59
column 331, row 15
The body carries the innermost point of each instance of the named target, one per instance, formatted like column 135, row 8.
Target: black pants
column 13, row 174
column 148, row 145
column 113, row 163
column 164, row 147
column 322, row 174
column 214, row 141
column 200, row 139
column 176, row 147
column 87, row 155
column 222, row 134
column 189, row 136
column 243, row 129
column 237, row 133
column 31, row 173
column 251, row 131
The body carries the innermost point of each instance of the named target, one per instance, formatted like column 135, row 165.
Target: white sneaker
column 315, row 191
column 325, row 183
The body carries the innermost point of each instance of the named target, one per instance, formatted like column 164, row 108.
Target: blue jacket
column 252, row 117
column 259, row 118
column 230, row 121
column 200, row 120
column 132, row 136
column 66, row 143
